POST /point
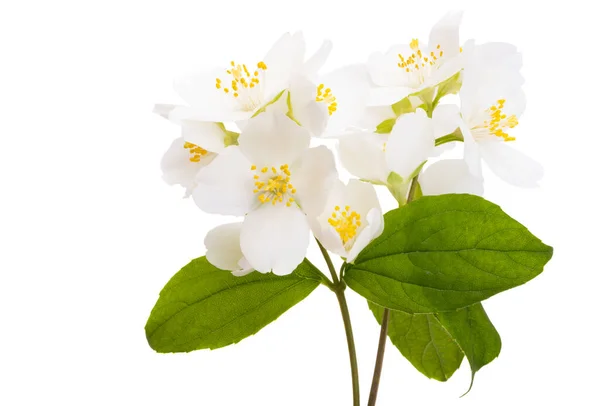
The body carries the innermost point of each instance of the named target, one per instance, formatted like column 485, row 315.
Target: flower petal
column 350, row 86
column 285, row 58
column 313, row 175
column 225, row 186
column 445, row 34
column 210, row 136
column 275, row 238
column 446, row 119
column 384, row 69
column 305, row 109
column 163, row 110
column 362, row 154
column 386, row 96
column 472, row 155
column 372, row 230
column 178, row 169
column 450, row 176
column 511, row 165
column 323, row 231
column 223, row 248
column 198, row 90
column 214, row 114
column 273, row 139
column 317, row 60
column 411, row 143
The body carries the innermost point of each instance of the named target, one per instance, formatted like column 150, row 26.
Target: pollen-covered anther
column 418, row 59
column 345, row 222
column 273, row 185
column 196, row 152
column 241, row 78
column 325, row 95
column 500, row 121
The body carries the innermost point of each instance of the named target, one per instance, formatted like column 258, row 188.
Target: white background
column 89, row 233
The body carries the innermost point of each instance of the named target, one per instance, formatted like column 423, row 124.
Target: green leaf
column 475, row 334
column 442, row 253
column 205, row 307
column 423, row 341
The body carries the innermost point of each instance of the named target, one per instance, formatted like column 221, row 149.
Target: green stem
column 384, row 326
column 339, row 287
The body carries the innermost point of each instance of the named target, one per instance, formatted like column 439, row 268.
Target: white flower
column 350, row 220
column 272, row 179
column 238, row 92
column 491, row 103
column 449, row 176
column 197, row 147
column 406, row 69
column 373, row 157
column 223, row 249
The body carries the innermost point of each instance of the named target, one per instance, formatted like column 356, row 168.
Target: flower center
column 273, row 185
column 499, row 121
column 195, row 151
column 345, row 222
column 418, row 62
column 327, row 97
column 245, row 86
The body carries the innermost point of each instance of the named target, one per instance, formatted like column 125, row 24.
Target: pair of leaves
column 437, row 258
column 435, row 344
column 206, row 307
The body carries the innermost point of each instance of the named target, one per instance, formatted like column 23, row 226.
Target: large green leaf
column 423, row 341
column 475, row 333
column 442, row 253
column 205, row 307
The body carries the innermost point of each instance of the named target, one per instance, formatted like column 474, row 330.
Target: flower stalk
column 384, row 325
column 338, row 288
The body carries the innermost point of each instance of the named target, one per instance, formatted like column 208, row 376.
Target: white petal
column 450, row 176
column 386, row 96
column 445, row 33
column 285, row 58
column 446, row 119
column 318, row 59
column 511, row 165
column 163, row 110
column 363, row 156
column 214, row 114
column 323, row 231
column 410, row 144
column 350, row 86
column 372, row 230
column 273, row 139
column 313, row 175
column 373, row 116
column 178, row 169
column 223, row 247
column 210, row 136
column 305, row 109
column 275, row 238
column 198, row 90
column 384, row 69
column 472, row 155
column 225, row 186
column 360, row 196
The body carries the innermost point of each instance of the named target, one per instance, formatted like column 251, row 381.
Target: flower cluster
column 247, row 129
